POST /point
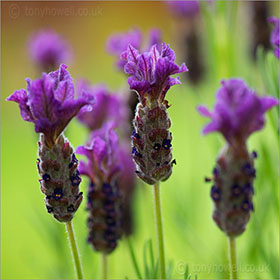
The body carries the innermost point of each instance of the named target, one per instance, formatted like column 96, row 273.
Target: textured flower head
column 102, row 152
column 104, row 196
column 238, row 112
column 150, row 72
column 274, row 37
column 107, row 107
column 48, row 50
column 118, row 43
column 184, row 8
column 49, row 103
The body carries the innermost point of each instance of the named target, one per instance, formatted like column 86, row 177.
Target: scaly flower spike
column 238, row 112
column 49, row 103
column 149, row 76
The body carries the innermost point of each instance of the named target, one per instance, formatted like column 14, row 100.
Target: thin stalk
column 104, row 266
column 74, row 250
column 232, row 258
column 133, row 258
column 159, row 230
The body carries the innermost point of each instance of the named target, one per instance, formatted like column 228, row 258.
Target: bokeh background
column 34, row 245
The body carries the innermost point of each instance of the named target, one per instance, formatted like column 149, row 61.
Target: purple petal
column 20, row 96
column 204, row 111
column 41, row 98
column 268, row 102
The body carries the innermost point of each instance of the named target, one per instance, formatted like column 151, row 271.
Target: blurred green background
column 34, row 245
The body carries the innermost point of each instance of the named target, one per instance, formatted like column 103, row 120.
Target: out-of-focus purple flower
column 184, row 8
column 150, row 72
column 107, row 107
column 274, row 37
column 49, row 103
column 118, row 43
column 48, row 50
column 104, row 198
column 102, row 152
column 238, row 112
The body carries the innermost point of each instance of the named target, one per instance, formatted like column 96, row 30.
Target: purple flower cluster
column 238, row 112
column 150, row 72
column 274, row 37
column 49, row 103
column 118, row 43
column 48, row 50
column 184, row 8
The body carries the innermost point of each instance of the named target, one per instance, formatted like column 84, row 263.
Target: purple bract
column 150, row 72
column 238, row 112
column 118, row 43
column 49, row 103
column 107, row 106
column 102, row 152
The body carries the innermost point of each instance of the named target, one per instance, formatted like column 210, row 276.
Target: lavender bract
column 238, row 112
column 48, row 50
column 49, row 104
column 104, row 198
column 107, row 107
column 149, row 75
column 274, row 37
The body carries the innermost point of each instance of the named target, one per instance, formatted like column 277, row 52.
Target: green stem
column 133, row 257
column 232, row 258
column 104, row 266
column 74, row 250
column 159, row 230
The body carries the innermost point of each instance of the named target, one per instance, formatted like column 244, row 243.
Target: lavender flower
column 238, row 113
column 107, row 107
column 184, row 8
column 48, row 50
column 118, row 43
column 274, row 38
column 49, row 104
column 104, row 199
column 150, row 77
